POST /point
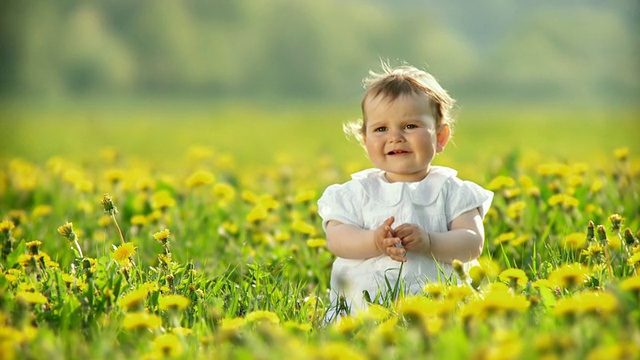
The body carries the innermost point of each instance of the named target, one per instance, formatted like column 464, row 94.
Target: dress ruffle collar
column 422, row 193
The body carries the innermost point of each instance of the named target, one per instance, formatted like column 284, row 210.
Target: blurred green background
column 142, row 76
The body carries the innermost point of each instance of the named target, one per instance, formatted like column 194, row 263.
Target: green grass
column 256, row 283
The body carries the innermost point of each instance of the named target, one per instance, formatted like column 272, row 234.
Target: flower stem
column 118, row 227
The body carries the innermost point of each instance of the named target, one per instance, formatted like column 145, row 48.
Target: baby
column 400, row 224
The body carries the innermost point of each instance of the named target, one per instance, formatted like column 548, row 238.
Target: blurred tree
column 316, row 49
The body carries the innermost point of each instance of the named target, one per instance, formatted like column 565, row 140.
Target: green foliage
column 222, row 250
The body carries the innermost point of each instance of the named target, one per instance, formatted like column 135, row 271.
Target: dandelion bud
column 458, row 267
column 629, row 239
column 602, row 234
column 616, row 221
column 590, row 231
column 66, row 230
column 107, row 202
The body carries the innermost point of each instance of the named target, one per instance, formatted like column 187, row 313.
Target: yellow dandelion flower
column 268, row 202
column 486, row 269
column 302, row 226
column 41, row 211
column 387, row 331
column 619, row 350
column 139, row 220
column 340, row 350
column 346, row 325
column 6, row 226
column 29, row 297
column 621, row 153
column 574, row 240
column 232, row 324
column 500, row 300
column 226, row 192
column 634, row 259
column 564, row 200
column 249, row 196
column 569, row 276
column 104, row 221
column 544, row 283
column 500, row 182
column 261, row 315
column 25, row 260
column 229, row 227
column 141, row 320
column 305, row 196
column 593, row 250
column 134, row 299
column 282, row 236
column 511, row 193
column 596, row 185
column 515, row 209
column 258, row 213
column 552, row 169
column 374, row 312
column 316, row 243
column 162, row 236
column 162, row 200
column 520, row 240
column 504, row 237
column 34, row 247
column 197, row 153
column 459, row 293
column 173, row 302
column 599, row 302
column 516, row 276
column 109, row 154
column 145, row 184
column 114, row 175
column 182, row 331
column 124, row 252
column 225, row 161
column 435, row 289
column 297, row 327
column 11, row 278
column 200, row 178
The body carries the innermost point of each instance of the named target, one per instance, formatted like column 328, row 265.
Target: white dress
column 367, row 201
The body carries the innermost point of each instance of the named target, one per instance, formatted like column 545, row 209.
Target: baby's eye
column 411, row 126
column 380, row 129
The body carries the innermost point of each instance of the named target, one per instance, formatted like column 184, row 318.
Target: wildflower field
column 195, row 235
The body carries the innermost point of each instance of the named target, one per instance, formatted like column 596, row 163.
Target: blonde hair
column 402, row 80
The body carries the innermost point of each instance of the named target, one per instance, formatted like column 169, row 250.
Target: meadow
column 192, row 232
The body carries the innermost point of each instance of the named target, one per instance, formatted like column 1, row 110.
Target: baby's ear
column 444, row 132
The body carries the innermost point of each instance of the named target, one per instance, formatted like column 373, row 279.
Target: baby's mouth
column 397, row 152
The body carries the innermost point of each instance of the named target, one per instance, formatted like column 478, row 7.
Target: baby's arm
column 463, row 241
column 351, row 242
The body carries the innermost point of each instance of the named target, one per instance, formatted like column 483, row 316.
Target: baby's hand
column 414, row 238
column 387, row 242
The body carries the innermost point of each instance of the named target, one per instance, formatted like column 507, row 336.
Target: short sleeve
column 340, row 203
column 463, row 196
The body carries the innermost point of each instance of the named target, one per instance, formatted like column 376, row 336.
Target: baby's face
column 401, row 136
